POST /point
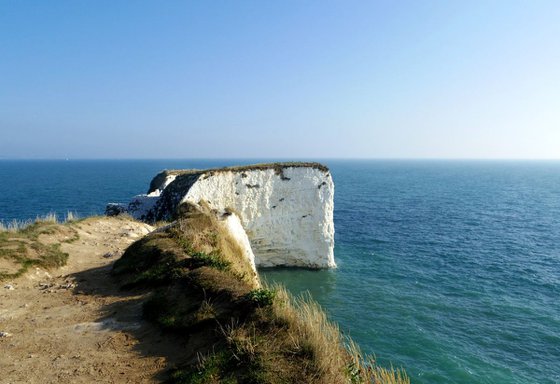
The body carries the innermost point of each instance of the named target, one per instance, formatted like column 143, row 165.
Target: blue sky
column 285, row 79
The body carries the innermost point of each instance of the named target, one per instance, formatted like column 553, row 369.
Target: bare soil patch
column 73, row 324
column 8, row 266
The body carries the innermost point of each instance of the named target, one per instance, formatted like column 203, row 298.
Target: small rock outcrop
column 286, row 209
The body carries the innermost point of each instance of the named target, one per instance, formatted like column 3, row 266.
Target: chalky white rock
column 285, row 210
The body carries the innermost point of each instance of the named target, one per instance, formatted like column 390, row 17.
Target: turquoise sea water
column 448, row 269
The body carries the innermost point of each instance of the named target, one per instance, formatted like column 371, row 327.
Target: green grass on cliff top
column 21, row 246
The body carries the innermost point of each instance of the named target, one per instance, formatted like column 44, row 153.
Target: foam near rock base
column 286, row 210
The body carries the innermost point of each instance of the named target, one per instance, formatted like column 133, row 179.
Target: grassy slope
column 21, row 247
column 235, row 331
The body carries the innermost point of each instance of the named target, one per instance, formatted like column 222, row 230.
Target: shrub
column 212, row 259
column 262, row 297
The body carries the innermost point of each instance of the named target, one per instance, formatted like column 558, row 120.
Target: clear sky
column 283, row 79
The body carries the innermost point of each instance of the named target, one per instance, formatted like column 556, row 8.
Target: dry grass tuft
column 338, row 358
column 309, row 328
column 14, row 225
column 71, row 216
column 364, row 369
column 380, row 375
column 49, row 218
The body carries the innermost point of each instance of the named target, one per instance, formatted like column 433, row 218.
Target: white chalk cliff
column 285, row 209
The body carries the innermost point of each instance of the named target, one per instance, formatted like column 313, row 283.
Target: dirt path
column 73, row 324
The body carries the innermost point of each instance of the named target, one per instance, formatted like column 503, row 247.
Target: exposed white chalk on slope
column 233, row 226
column 289, row 219
column 140, row 205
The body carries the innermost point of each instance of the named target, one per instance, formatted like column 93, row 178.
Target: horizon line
column 278, row 158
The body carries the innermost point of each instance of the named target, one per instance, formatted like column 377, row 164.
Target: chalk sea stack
column 285, row 209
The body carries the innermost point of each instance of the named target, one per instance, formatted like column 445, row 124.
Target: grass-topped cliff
column 235, row 330
column 278, row 168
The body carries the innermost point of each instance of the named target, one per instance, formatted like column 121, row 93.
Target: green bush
column 262, row 297
column 213, row 259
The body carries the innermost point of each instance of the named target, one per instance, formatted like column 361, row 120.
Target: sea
column 448, row 269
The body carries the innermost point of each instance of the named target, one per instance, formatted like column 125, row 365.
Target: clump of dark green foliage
column 213, row 259
column 262, row 297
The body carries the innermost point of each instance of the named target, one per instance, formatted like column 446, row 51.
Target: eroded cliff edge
column 285, row 209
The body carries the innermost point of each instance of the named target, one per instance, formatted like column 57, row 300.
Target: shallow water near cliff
column 448, row 269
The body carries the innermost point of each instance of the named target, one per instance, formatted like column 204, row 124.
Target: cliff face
column 286, row 209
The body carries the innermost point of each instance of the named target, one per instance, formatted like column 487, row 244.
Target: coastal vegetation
column 21, row 248
column 235, row 329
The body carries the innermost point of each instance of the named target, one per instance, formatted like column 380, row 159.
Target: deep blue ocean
column 450, row 269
